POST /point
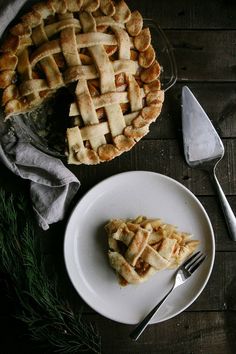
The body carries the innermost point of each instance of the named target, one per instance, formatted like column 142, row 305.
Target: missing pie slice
column 101, row 50
column 138, row 248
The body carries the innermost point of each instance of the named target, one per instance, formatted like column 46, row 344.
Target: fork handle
column 228, row 212
column 134, row 335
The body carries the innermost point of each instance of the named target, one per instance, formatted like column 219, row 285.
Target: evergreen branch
column 50, row 320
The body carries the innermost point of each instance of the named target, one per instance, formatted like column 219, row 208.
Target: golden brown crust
column 7, row 77
column 107, row 7
column 108, row 152
column 147, row 57
column 90, row 5
column 152, row 73
column 43, row 9
column 136, row 133
column 32, row 19
column 135, row 24
column 14, row 106
column 103, row 47
column 21, row 30
column 139, row 122
column 8, row 62
column 10, row 44
column 123, row 143
column 152, row 86
column 143, row 40
column 59, row 6
column 122, row 12
column 138, row 248
column 10, row 93
column 87, row 156
column 150, row 113
column 155, row 97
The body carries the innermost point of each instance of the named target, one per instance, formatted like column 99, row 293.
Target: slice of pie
column 100, row 50
column 140, row 247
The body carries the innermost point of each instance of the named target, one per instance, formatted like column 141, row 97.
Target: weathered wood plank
column 188, row 14
column 213, row 209
column 204, row 55
column 216, row 303
column 218, row 100
column 220, row 292
column 165, row 157
column 209, row 332
column 162, row 156
column 183, row 13
column 206, row 332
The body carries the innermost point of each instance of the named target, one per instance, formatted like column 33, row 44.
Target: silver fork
column 183, row 273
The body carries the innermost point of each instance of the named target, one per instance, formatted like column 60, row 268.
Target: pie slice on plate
column 141, row 247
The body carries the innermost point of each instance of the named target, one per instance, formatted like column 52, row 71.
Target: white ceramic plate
column 128, row 195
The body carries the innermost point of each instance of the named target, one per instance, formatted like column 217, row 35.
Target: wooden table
column 203, row 35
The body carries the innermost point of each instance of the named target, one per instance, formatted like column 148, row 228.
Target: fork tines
column 192, row 263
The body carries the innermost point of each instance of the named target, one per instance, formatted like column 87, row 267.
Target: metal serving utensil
column 203, row 148
column 183, row 273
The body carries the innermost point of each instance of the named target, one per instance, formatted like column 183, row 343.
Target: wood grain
column 202, row 34
column 204, row 56
column 218, row 101
column 180, row 14
column 205, row 332
column 165, row 157
column 213, row 209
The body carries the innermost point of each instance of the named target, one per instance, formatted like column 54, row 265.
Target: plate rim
column 188, row 191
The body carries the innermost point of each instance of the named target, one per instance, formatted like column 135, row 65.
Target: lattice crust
column 103, row 49
column 140, row 247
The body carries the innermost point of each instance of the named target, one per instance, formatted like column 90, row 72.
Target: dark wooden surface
column 203, row 35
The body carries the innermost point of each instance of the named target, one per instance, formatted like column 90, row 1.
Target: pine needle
column 49, row 319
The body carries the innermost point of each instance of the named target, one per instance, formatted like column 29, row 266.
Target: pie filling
column 99, row 50
column 138, row 248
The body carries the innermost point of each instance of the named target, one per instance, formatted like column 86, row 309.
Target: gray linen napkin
column 52, row 185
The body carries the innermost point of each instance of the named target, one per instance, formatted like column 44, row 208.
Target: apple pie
column 138, row 248
column 100, row 51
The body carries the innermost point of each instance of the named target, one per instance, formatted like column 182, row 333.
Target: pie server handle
column 228, row 212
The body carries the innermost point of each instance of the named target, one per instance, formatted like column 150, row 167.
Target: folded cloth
column 52, row 185
column 8, row 10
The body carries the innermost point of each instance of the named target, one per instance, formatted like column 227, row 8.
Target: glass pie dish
column 45, row 126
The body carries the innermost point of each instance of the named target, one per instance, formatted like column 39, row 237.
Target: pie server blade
column 203, row 148
column 201, row 141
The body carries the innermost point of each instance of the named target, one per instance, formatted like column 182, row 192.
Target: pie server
column 203, row 148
